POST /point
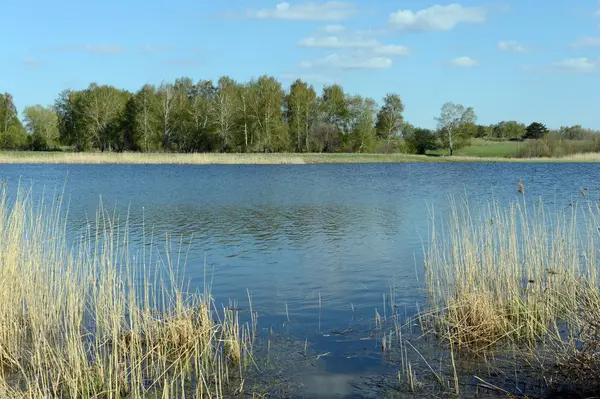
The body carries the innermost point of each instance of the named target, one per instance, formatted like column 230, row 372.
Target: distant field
column 485, row 148
column 480, row 152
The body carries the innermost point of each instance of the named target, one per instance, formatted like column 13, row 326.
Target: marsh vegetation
column 519, row 279
column 98, row 320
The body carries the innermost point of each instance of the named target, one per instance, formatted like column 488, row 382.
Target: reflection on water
column 323, row 241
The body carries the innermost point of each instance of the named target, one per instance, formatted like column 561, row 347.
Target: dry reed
column 515, row 274
column 100, row 320
column 8, row 157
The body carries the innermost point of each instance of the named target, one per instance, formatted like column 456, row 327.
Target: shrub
column 419, row 141
column 14, row 139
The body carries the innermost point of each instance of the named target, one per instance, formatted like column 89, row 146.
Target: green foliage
column 244, row 120
column 42, row 124
column 92, row 118
column 389, row 118
column 224, row 111
column 576, row 132
column 419, row 141
column 9, row 116
column 536, row 131
column 256, row 116
column 482, row 131
column 362, row 113
column 14, row 138
column 12, row 133
column 141, row 120
column 265, row 109
column 509, row 130
column 555, row 147
column 300, row 112
column 335, row 108
column 455, row 125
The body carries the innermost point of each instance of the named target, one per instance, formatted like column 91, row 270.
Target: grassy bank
column 99, row 321
column 487, row 149
column 26, row 157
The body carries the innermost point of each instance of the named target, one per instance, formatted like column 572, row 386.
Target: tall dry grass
column 514, row 274
column 100, row 320
column 30, row 157
column 145, row 158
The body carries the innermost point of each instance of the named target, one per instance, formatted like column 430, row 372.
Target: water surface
column 328, row 241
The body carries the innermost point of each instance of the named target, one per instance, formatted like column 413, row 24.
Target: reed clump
column 513, row 274
column 100, row 319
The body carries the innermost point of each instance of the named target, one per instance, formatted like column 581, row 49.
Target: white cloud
column 155, row 48
column 333, row 28
column 88, row 48
column 586, row 42
column 437, row 18
column 310, row 11
column 464, row 62
column 336, row 61
column 511, row 46
column 337, row 42
column 357, row 40
column 577, row 65
column 392, row 49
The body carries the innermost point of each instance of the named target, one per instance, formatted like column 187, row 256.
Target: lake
column 319, row 247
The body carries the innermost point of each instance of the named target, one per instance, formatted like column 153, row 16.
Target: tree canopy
column 455, row 125
column 536, row 130
column 259, row 115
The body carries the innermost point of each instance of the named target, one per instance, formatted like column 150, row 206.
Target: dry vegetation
column 26, row 157
column 99, row 320
column 523, row 278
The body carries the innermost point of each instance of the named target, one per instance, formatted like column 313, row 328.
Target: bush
column 551, row 146
column 392, row 146
column 419, row 141
column 14, row 139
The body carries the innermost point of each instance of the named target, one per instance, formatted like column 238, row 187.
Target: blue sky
column 519, row 59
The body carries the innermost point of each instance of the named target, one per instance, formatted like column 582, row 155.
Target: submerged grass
column 99, row 320
column 28, row 157
column 519, row 277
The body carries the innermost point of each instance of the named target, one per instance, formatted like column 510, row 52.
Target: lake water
column 303, row 235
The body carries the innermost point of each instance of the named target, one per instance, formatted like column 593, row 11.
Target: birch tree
column 266, row 105
column 244, row 118
column 101, row 110
column 166, row 109
column 224, row 110
column 362, row 114
column 389, row 118
column 299, row 107
column 42, row 124
column 201, row 116
column 452, row 119
column 142, row 120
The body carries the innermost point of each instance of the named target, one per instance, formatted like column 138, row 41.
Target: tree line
column 226, row 116
column 229, row 116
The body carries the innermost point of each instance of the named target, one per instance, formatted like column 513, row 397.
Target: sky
column 523, row 60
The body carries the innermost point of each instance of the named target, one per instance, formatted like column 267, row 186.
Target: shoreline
column 30, row 157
